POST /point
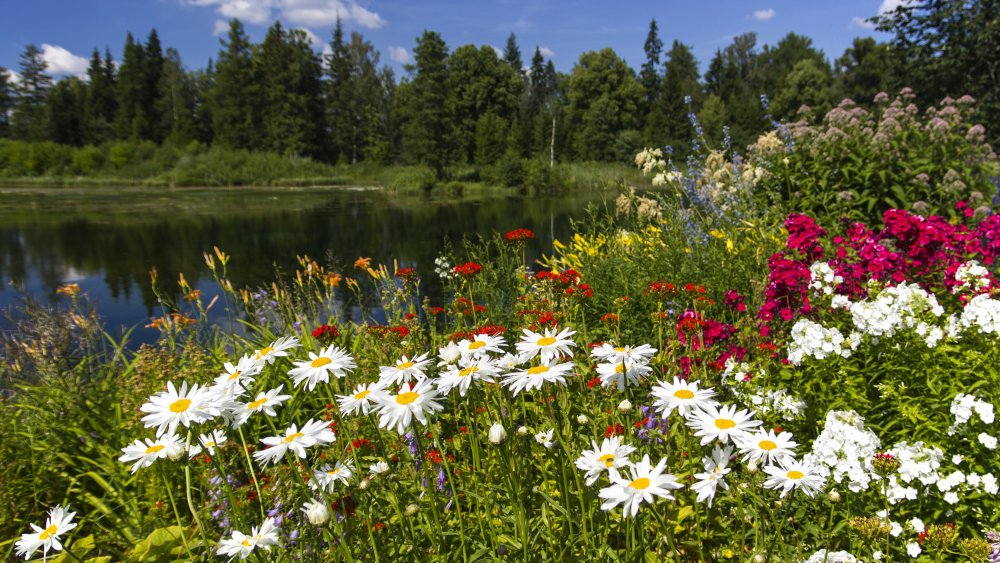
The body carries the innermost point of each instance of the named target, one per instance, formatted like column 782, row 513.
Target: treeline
column 472, row 108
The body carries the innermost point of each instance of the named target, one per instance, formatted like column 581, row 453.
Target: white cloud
column 313, row 38
column 400, row 55
column 863, row 23
column 221, row 27
column 890, row 5
column 61, row 61
column 546, row 52
column 298, row 12
column 763, row 15
column 497, row 50
column 13, row 77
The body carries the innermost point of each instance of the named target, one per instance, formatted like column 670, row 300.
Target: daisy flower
column 326, row 477
column 482, row 345
column 59, row 522
column 548, row 344
column 721, row 424
column 544, row 438
column 413, row 401
column 508, row 362
column 405, row 370
column 716, row 468
column 145, row 453
column 330, row 360
column 643, row 484
column 170, row 408
column 617, row 354
column 764, row 448
column 242, row 545
column 448, row 354
column 534, row 377
column 790, row 474
column 238, row 376
column 611, row 455
column 622, row 373
column 683, row 396
column 467, row 371
column 265, row 403
column 313, row 432
column 208, row 443
column 277, row 349
column 360, row 400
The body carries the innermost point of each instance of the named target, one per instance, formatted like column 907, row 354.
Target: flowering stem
column 177, row 515
column 190, row 500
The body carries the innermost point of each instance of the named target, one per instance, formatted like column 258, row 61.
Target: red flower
column 408, row 275
column 615, row 430
column 325, row 333
column 609, row 318
column 660, row 290
column 519, row 235
column 468, row 269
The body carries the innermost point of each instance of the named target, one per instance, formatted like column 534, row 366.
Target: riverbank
column 148, row 165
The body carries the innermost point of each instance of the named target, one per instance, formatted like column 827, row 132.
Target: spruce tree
column 65, row 104
column 175, row 101
column 339, row 95
column 649, row 76
column 680, row 84
column 289, row 74
column 29, row 117
column 427, row 133
column 153, row 119
column 131, row 121
column 512, row 54
column 6, row 102
column 233, row 96
column 99, row 107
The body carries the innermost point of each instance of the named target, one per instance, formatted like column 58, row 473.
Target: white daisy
column 208, row 442
column 145, row 453
column 265, row 403
column 319, row 367
column 534, row 377
column 721, row 424
column 608, row 457
column 549, row 345
column 617, row 354
column 765, row 448
column 508, row 362
column 683, row 396
column 404, row 371
column 238, row 377
column 716, row 468
column 482, row 345
column 448, row 354
column 462, row 375
column 242, row 545
column 326, row 477
column 625, row 372
column 544, row 438
column 413, row 401
column 313, row 432
column 643, row 484
column 59, row 521
column 360, row 400
column 791, row 474
column 169, row 408
column 277, row 349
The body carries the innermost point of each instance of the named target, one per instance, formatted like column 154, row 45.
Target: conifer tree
column 649, row 76
column 6, row 102
column 427, row 133
column 99, row 107
column 131, row 121
column 512, row 54
column 29, row 117
column 233, row 92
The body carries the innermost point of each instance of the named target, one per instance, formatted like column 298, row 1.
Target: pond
column 108, row 240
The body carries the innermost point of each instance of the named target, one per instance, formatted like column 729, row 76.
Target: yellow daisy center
column 404, row 365
column 256, row 404
column 476, row 345
column 620, row 368
column 724, row 423
column 684, row 394
column 154, row 449
column 537, row 370
column 619, row 349
column 291, row 438
column 48, row 532
column 362, row 394
column 546, row 341
column 795, row 475
column 180, row 405
column 468, row 371
column 640, row 483
column 246, row 543
column 234, row 375
column 608, row 459
column 767, row 445
column 407, row 397
column 320, row 362
column 209, row 444
column 264, row 351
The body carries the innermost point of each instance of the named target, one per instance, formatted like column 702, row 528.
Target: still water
column 108, row 240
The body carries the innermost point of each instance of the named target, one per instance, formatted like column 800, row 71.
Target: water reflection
column 108, row 239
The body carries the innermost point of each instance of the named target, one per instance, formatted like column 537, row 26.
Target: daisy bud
column 412, row 509
column 523, row 430
column 364, row 483
column 379, row 468
column 316, row 512
column 752, row 466
column 625, row 406
column 834, row 496
column 497, row 434
column 758, row 558
column 176, row 452
column 582, row 419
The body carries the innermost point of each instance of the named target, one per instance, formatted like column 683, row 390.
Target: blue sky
column 68, row 30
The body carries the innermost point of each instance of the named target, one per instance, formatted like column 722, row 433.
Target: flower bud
column 364, row 483
column 412, row 509
column 834, row 496
column 316, row 512
column 523, row 430
column 176, row 452
column 497, row 434
column 752, row 466
column 582, row 419
column 625, row 406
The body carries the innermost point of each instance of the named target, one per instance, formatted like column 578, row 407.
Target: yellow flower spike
column 558, row 245
column 223, row 257
column 362, row 263
column 182, row 283
column 209, row 260
column 730, row 246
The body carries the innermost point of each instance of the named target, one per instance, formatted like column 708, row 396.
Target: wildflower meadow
column 788, row 352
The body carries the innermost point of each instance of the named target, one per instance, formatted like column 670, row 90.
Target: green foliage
column 603, row 100
column 858, row 163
